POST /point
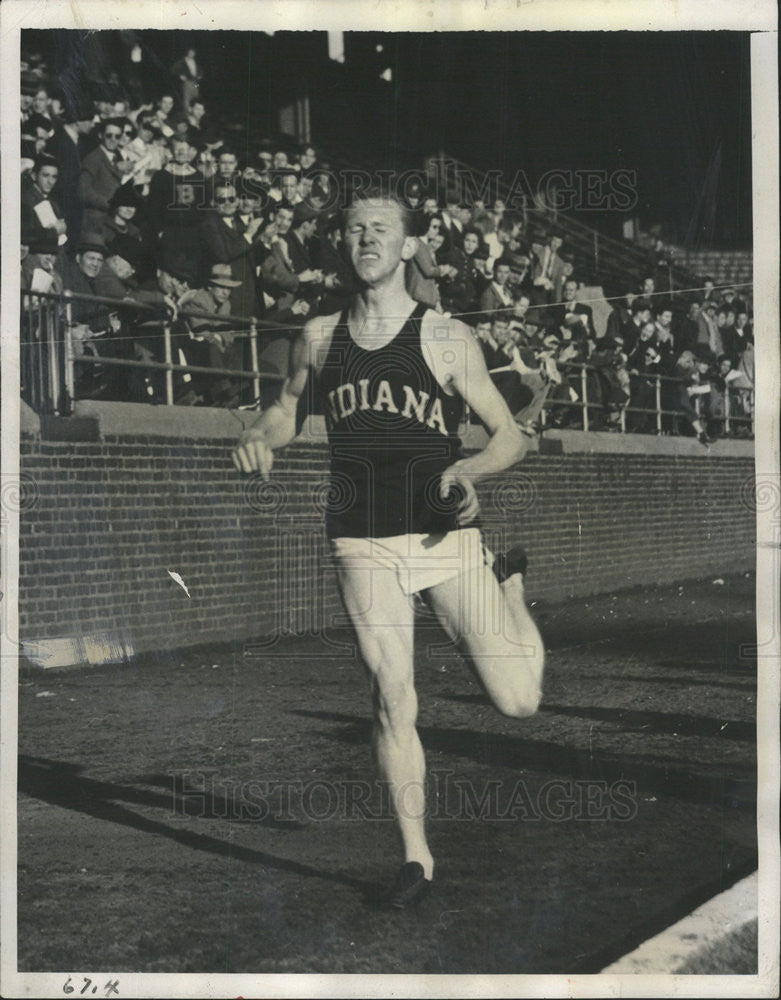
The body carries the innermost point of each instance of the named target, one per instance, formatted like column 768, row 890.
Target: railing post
column 584, row 391
column 658, row 404
column 253, row 348
column 169, row 375
column 48, row 329
column 69, row 376
column 727, row 407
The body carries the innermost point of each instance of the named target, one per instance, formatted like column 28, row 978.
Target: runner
column 391, row 375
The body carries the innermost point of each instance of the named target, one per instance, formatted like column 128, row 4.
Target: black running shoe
column 509, row 563
column 409, row 887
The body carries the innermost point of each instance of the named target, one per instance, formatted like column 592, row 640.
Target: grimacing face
column 375, row 239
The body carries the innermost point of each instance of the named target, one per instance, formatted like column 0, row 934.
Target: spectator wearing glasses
column 102, row 172
column 227, row 240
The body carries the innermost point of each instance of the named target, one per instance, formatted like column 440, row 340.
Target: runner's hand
column 252, row 454
column 469, row 507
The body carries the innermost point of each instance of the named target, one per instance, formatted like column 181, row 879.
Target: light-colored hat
column 221, row 275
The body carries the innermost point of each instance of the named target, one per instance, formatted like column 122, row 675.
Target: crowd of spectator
column 143, row 199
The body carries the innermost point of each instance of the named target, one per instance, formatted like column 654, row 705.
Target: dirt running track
column 150, row 839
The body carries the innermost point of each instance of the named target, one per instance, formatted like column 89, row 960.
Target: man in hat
column 211, row 344
column 39, row 266
column 102, row 171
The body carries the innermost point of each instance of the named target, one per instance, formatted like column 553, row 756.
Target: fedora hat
column 220, row 274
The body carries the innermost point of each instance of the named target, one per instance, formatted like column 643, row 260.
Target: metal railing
column 50, row 353
column 49, row 360
column 665, row 420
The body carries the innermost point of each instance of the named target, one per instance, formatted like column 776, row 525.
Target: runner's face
column 375, row 240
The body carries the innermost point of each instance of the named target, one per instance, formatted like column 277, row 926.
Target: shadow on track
column 61, row 784
column 498, row 750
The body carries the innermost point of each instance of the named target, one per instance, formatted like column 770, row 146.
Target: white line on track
column 711, row 922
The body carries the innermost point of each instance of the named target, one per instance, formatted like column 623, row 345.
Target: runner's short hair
column 381, row 193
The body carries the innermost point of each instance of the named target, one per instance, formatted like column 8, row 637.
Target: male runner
column 391, row 375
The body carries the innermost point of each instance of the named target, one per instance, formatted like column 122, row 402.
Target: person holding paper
column 40, row 212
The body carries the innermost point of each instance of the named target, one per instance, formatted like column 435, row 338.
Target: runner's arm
column 276, row 426
column 506, row 444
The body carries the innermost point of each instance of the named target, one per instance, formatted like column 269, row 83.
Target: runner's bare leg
column 384, row 624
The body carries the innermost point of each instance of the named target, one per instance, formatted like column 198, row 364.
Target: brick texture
column 109, row 519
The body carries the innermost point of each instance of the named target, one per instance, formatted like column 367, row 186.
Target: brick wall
column 108, row 519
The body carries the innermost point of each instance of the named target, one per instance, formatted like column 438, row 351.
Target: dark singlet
column 392, row 431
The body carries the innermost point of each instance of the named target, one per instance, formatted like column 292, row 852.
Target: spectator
column 225, row 240
column 39, row 265
column 577, row 316
column 664, row 332
column 491, row 333
column 307, row 158
column 548, row 269
column 648, row 288
column 608, row 360
column 102, row 171
column 39, row 211
column 708, row 290
column 498, row 240
column 688, row 330
column 708, row 332
column 730, row 299
column 721, row 395
column 68, row 147
column 209, row 343
column 645, row 365
column 423, row 273
column 497, row 295
column 285, row 188
column 459, row 290
column 693, row 383
column 452, row 226
column 39, row 130
column 148, row 152
column 520, row 279
column 189, row 74
column 288, row 288
column 163, row 109
column 641, row 315
column 330, row 260
column 620, row 315
column 95, row 326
